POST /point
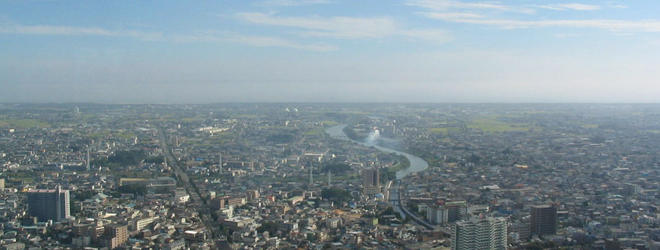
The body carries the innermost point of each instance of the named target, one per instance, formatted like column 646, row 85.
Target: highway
column 202, row 209
column 395, row 199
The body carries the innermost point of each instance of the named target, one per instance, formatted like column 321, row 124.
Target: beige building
column 114, row 235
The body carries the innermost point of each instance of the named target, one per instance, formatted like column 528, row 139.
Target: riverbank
column 389, row 173
column 416, row 164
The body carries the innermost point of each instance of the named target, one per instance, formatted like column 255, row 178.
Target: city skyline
column 329, row 51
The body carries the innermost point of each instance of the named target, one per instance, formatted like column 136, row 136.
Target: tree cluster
column 133, row 189
column 336, row 194
column 121, row 158
column 281, row 138
column 128, row 157
column 159, row 159
column 336, row 168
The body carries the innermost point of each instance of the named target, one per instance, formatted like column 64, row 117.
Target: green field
column 445, row 130
column 97, row 135
column 492, row 125
column 23, row 123
column 329, row 123
column 27, row 177
column 244, row 116
column 589, row 125
column 126, row 135
column 439, row 130
column 318, row 131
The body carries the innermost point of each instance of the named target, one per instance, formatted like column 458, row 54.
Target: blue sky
column 329, row 51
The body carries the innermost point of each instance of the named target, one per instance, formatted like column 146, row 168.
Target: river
column 416, row 164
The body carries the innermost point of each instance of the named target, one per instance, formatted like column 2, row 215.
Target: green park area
column 103, row 134
column 493, row 125
column 589, row 126
column 329, row 123
column 445, row 130
column 316, row 131
column 27, row 177
column 23, row 123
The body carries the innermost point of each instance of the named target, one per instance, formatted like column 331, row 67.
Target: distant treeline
column 281, row 138
column 339, row 117
column 335, row 194
column 388, row 174
column 350, row 133
column 336, row 168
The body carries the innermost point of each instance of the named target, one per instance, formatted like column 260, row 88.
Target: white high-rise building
column 437, row 215
column 481, row 234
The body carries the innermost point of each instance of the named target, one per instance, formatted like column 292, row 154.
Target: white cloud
column 346, row 27
column 570, row 6
column 448, row 5
column 258, row 41
column 565, row 35
column 613, row 25
column 443, row 15
column 434, row 35
column 337, row 27
column 265, row 41
column 77, row 31
column 290, row 3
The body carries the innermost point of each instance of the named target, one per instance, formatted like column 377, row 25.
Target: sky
column 407, row 51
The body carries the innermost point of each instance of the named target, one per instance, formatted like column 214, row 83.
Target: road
column 394, row 194
column 392, row 189
column 202, row 209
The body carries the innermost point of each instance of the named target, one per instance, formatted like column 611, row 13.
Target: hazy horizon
column 321, row 51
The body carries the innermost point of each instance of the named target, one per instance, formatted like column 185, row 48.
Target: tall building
column 544, row 220
column 437, row 215
column 88, row 162
column 49, row 204
column 217, row 203
column 370, row 181
column 370, row 177
column 482, row 234
column 456, row 211
column 114, row 235
column 311, row 176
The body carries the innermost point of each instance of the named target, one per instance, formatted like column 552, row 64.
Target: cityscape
column 330, row 176
column 329, row 125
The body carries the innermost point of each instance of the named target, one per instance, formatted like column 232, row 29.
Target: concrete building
column 370, row 181
column 114, row 235
column 49, row 204
column 370, row 177
column 437, row 215
column 13, row 246
column 181, row 196
column 217, row 203
column 176, row 245
column 456, row 211
column 482, row 234
column 544, row 220
column 138, row 225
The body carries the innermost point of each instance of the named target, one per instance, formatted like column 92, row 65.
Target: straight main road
column 202, row 209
